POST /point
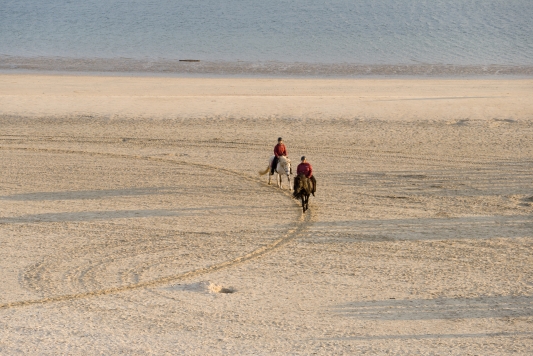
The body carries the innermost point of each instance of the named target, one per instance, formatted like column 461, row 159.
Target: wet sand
column 133, row 219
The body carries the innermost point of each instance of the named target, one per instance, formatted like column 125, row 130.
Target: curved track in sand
column 84, row 276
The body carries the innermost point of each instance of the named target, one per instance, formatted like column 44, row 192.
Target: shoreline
column 140, row 74
column 256, row 69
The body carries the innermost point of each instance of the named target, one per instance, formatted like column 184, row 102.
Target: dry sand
column 133, row 220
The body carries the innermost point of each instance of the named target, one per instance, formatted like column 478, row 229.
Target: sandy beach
column 133, row 219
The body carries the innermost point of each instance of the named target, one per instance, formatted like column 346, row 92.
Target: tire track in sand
column 298, row 230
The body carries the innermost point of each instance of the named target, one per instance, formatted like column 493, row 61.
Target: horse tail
column 262, row 173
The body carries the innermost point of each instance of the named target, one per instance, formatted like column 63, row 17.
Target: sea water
column 300, row 37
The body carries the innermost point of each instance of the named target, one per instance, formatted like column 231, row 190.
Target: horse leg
column 289, row 180
column 269, row 178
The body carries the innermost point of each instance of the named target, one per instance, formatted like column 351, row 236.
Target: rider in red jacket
column 306, row 169
column 279, row 150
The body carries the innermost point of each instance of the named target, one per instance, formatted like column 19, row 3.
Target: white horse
column 283, row 168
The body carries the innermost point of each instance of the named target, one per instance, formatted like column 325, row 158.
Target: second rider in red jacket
column 306, row 169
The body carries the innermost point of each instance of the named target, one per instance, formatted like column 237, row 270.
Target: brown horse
column 303, row 187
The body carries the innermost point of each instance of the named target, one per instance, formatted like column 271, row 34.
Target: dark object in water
column 189, row 60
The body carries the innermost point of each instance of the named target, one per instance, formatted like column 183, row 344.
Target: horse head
column 285, row 163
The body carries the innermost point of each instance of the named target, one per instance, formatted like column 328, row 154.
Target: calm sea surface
column 334, row 37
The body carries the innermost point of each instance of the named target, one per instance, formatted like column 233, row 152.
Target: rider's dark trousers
column 274, row 165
